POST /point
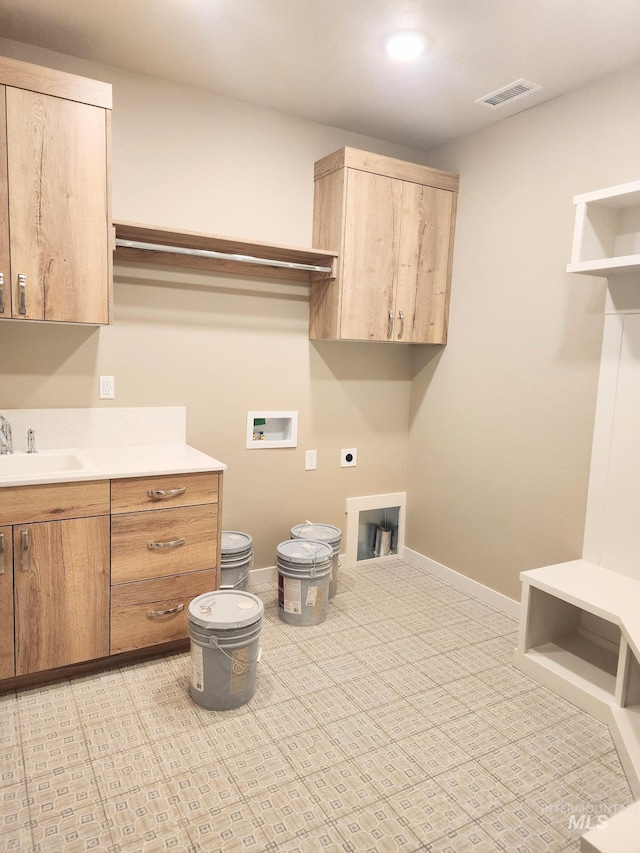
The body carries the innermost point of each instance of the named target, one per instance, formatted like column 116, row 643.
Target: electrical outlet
column 311, row 460
column 349, row 457
column 107, row 387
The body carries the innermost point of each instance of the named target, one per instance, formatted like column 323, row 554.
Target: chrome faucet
column 31, row 441
column 6, row 443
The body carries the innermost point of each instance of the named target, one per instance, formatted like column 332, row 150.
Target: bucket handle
column 213, row 643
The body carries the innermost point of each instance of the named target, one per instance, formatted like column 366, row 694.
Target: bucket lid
column 304, row 551
column 233, row 541
column 319, row 532
column 226, row 608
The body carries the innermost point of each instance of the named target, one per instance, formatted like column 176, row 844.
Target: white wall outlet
column 107, row 387
column 349, row 457
column 311, row 460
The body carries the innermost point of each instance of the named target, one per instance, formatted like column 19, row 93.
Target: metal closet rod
column 224, row 256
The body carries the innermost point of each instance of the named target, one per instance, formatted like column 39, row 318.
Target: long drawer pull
column 1, row 293
column 25, row 558
column 155, row 614
column 2, row 554
column 22, row 294
column 163, row 494
column 172, row 543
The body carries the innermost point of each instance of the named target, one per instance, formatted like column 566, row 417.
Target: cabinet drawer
column 164, row 542
column 137, row 618
column 132, row 495
column 53, row 501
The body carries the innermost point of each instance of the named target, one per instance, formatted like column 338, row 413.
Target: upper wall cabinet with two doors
column 55, row 195
column 392, row 223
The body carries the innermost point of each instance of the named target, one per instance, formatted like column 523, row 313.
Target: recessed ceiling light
column 405, row 46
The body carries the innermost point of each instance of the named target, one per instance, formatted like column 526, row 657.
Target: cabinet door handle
column 390, row 325
column 25, row 556
column 2, row 554
column 155, row 614
column 401, row 316
column 163, row 494
column 1, row 293
column 22, row 294
column 173, row 543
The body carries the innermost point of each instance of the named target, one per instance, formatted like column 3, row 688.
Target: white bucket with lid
column 236, row 559
column 224, row 628
column 323, row 533
column 304, row 568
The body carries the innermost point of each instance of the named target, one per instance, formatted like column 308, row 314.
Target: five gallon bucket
column 304, row 568
column 224, row 627
column 236, row 558
column 323, row 533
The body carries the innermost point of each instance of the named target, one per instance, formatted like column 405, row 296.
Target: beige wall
column 219, row 346
column 502, row 418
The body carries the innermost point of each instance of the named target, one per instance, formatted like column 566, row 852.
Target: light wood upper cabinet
column 392, row 223
column 55, row 202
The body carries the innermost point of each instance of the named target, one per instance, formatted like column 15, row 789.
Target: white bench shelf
column 580, row 636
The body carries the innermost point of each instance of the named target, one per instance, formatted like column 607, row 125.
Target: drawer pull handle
column 1, row 293
column 163, row 494
column 155, row 614
column 2, row 561
column 172, row 543
column 25, row 558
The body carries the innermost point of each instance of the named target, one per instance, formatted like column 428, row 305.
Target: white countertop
column 107, row 463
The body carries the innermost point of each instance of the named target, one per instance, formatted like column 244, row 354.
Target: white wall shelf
column 606, row 240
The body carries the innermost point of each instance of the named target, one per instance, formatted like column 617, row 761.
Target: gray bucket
column 236, row 558
column 323, row 533
column 224, row 628
column 304, row 568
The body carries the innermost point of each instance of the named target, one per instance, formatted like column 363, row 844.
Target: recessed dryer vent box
column 272, row 429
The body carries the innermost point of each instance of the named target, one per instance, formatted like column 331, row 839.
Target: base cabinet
column 61, row 572
column 93, row 569
column 392, row 223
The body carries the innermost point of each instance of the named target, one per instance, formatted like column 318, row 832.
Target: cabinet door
column 61, row 574
column 7, row 662
column 370, row 264
column 5, row 270
column 422, row 301
column 58, row 208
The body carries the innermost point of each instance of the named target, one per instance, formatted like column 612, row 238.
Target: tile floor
column 397, row 724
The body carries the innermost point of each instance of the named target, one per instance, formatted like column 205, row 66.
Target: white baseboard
column 268, row 574
column 463, row 583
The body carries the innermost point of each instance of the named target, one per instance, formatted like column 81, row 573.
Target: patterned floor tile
column 517, row 827
column 475, row 789
column 329, row 705
column 146, row 818
column 341, row 789
column 286, row 813
column 259, row 771
column 73, row 831
column 398, row 723
column 126, row 770
column 428, row 811
column 377, row 829
column 356, row 734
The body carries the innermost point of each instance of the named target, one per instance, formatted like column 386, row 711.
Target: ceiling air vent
column 518, row 89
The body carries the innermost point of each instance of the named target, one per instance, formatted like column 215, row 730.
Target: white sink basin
column 43, row 463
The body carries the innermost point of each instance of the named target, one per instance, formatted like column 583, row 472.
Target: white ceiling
column 324, row 59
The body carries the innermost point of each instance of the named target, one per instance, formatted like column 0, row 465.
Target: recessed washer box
column 271, row 429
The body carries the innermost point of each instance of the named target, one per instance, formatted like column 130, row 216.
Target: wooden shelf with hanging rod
column 152, row 244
